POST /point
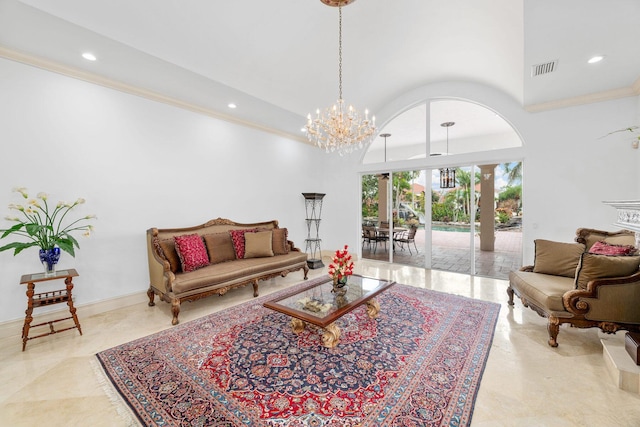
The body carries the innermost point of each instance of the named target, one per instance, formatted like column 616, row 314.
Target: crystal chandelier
column 340, row 128
column 447, row 175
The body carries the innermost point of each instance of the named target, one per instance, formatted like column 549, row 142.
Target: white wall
column 142, row 164
column 569, row 171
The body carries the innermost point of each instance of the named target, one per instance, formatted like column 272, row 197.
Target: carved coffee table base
column 373, row 308
column 331, row 335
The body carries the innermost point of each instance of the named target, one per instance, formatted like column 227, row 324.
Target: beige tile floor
column 525, row 383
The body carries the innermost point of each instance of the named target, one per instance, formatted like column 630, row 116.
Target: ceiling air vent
column 546, row 68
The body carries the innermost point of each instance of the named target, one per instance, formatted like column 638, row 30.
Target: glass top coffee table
column 320, row 306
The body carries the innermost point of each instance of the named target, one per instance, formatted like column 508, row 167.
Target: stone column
column 487, row 207
column 382, row 198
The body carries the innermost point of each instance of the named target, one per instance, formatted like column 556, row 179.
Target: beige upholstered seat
column 568, row 284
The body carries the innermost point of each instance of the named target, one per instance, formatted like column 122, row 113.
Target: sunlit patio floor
column 450, row 252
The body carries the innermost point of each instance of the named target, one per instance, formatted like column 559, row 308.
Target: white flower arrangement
column 44, row 228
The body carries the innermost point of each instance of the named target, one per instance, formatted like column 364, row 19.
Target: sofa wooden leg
column 152, row 296
column 306, row 270
column 510, row 293
column 175, row 309
column 553, row 327
column 255, row 288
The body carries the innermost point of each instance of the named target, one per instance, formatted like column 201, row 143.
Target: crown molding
column 86, row 76
column 633, row 90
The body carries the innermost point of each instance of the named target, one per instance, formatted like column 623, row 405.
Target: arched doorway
column 464, row 228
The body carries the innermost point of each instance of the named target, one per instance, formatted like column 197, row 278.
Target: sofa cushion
column 219, row 247
column 279, row 242
column 237, row 236
column 542, row 290
column 258, row 244
column 592, row 267
column 557, row 258
column 192, row 252
column 168, row 247
column 604, row 248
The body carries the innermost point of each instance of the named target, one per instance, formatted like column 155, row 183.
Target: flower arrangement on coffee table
column 341, row 267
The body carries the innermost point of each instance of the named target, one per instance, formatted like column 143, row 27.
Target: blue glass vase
column 49, row 258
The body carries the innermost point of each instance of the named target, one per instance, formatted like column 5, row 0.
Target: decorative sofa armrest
column 160, row 275
column 292, row 246
column 614, row 300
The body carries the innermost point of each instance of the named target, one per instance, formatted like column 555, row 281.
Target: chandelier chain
column 340, row 51
column 340, row 127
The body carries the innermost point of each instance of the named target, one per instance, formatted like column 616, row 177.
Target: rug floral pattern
column 418, row 364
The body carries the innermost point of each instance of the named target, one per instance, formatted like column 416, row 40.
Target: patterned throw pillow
column 192, row 252
column 237, row 236
column 604, row 248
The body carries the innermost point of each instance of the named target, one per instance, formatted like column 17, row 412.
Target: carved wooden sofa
column 186, row 264
column 581, row 283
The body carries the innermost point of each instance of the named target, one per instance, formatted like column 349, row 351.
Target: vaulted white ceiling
column 278, row 60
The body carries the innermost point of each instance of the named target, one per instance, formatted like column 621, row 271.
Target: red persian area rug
column 418, row 364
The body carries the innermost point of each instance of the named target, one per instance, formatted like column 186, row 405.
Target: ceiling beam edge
column 93, row 78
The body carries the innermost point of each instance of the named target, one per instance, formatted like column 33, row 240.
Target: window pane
column 476, row 129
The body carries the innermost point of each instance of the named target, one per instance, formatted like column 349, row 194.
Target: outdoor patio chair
column 369, row 236
column 407, row 237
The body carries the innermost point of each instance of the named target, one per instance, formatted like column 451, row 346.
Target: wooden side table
column 48, row 298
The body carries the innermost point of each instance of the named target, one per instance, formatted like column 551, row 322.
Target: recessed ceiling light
column 89, row 56
column 595, row 59
column 231, row 105
column 303, row 130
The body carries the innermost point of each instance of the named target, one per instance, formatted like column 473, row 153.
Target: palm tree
column 463, row 179
column 513, row 171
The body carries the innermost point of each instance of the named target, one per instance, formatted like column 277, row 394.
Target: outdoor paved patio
column 450, row 252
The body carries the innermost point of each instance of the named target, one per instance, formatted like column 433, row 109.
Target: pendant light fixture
column 340, row 128
column 385, row 136
column 447, row 175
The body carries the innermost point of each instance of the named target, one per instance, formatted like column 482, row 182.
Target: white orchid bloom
column 21, row 190
column 42, row 195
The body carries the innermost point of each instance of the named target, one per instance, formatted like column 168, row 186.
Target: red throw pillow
column 237, row 236
column 604, row 248
column 192, row 252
